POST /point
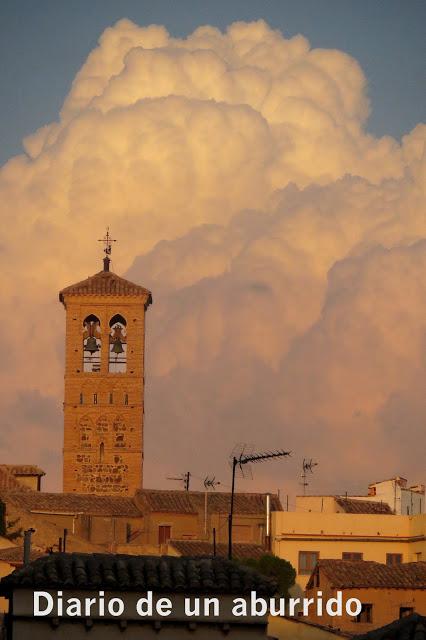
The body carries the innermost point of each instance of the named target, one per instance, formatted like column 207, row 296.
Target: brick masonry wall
column 111, row 421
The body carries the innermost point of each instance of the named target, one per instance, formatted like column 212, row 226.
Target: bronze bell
column 117, row 347
column 91, row 345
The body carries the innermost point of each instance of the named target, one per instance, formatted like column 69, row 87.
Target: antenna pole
column 231, row 513
column 245, row 459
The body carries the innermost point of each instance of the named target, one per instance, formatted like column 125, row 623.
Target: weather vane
column 107, row 240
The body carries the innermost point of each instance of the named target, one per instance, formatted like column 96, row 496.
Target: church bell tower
column 104, row 383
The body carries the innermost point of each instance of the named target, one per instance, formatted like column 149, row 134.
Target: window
column 91, row 344
column 393, row 558
column 405, row 611
column 111, row 398
column 95, row 398
column 101, row 452
column 366, row 613
column 164, row 533
column 126, row 398
column 307, row 562
column 117, row 345
column 354, row 556
column 81, row 398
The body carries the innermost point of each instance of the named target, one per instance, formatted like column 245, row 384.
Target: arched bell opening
column 117, row 362
column 92, row 344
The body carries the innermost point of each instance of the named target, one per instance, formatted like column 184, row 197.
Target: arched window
column 81, row 398
column 117, row 345
column 101, row 452
column 91, row 344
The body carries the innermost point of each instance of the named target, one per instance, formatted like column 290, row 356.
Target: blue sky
column 44, row 43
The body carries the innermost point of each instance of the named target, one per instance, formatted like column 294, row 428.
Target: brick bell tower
column 104, row 383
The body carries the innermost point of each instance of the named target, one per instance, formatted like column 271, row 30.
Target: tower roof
column 105, row 283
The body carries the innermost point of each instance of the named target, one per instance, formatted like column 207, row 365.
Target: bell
column 91, row 345
column 117, row 347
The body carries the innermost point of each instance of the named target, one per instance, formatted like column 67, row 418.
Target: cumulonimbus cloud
column 283, row 244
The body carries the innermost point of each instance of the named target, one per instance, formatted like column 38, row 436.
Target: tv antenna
column 241, row 456
column 184, row 478
column 210, row 483
column 307, row 467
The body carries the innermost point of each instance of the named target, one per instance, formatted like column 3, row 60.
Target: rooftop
column 37, row 501
column 350, row 505
column 15, row 555
column 105, row 283
column 345, row 574
column 23, row 469
column 8, row 482
column 240, row 550
column 161, row 574
column 409, row 628
column 158, row 500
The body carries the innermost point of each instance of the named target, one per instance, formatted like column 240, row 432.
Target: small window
column 307, row 562
column 81, row 398
column 354, row 556
column 126, row 398
column 95, row 398
column 405, row 611
column 164, row 533
column 111, row 398
column 101, row 452
column 393, row 558
column 366, row 614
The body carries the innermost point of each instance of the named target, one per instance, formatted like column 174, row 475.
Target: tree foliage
column 273, row 567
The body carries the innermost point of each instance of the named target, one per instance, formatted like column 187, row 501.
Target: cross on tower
column 107, row 240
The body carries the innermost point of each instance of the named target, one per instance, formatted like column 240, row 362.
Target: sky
column 262, row 166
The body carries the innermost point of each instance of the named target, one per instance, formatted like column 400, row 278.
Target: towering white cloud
column 282, row 242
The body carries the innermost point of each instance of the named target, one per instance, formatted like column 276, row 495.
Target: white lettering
column 115, row 610
column 144, row 605
column 164, row 607
column 334, row 601
column 73, row 607
column 257, row 601
column 195, row 611
column 36, row 603
column 239, row 608
column 358, row 607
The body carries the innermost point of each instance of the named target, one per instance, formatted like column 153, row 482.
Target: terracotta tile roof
column 15, row 555
column 8, row 482
column 345, row 574
column 36, row 501
column 23, row 469
column 157, row 500
column 105, row 283
column 409, row 628
column 349, row 505
column 161, row 574
column 240, row 550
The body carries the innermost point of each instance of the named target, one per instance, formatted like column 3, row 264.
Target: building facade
column 305, row 538
column 386, row 593
column 104, row 384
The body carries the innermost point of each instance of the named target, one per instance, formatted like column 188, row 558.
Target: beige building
column 305, row 537
column 144, row 523
column 104, row 384
column 386, row 593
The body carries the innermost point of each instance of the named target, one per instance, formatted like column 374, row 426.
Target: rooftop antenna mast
column 307, row 467
column 241, row 456
column 107, row 240
column 210, row 484
column 184, row 478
